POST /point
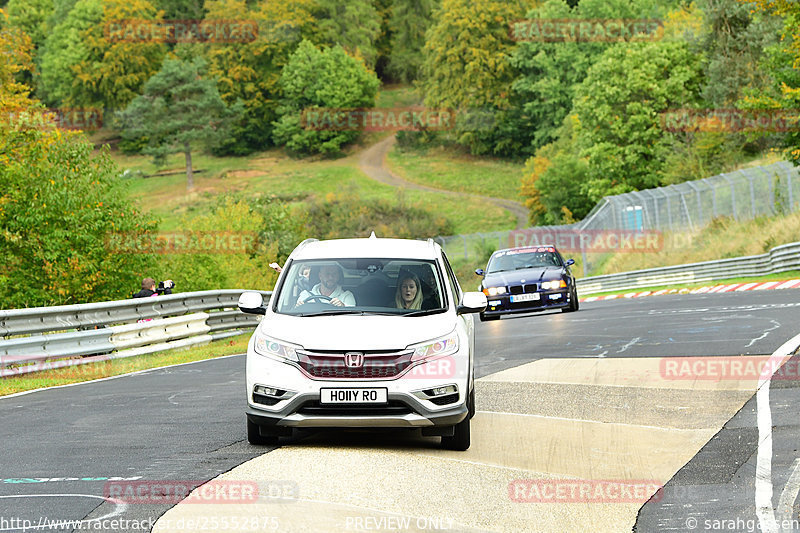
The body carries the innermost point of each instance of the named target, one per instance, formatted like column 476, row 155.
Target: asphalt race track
column 562, row 396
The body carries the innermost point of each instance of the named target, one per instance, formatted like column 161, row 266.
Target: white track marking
column 789, row 494
column 763, row 482
column 775, row 325
column 631, row 343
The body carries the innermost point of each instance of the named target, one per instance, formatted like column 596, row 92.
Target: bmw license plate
column 524, row 297
column 335, row 396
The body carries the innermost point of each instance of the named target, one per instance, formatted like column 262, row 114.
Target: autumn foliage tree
column 58, row 203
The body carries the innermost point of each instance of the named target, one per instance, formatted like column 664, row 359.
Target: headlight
column 494, row 291
column 445, row 346
column 270, row 347
column 555, row 284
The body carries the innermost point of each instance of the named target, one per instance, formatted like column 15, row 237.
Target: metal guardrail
column 779, row 259
column 53, row 337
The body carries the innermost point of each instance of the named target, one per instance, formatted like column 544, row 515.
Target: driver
column 330, row 277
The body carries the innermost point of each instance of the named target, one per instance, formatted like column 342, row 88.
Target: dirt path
column 373, row 163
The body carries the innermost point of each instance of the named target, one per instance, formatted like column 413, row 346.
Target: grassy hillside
column 458, row 172
column 723, row 238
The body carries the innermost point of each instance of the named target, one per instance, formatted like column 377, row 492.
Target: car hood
column 519, row 277
column 356, row 332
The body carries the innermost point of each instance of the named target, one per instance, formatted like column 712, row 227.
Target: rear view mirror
column 569, row 262
column 480, row 272
column 253, row 303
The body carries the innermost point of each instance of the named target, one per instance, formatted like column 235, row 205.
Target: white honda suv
column 363, row 333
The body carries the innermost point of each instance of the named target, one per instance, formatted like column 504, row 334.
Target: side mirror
column 569, row 262
column 480, row 272
column 472, row 302
column 253, row 303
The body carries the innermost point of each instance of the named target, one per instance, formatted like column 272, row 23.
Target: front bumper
column 502, row 305
column 299, row 407
column 303, row 411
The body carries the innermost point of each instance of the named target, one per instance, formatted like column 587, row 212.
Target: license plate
column 329, row 396
column 524, row 297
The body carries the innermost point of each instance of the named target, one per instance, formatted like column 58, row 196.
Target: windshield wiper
column 425, row 312
column 331, row 313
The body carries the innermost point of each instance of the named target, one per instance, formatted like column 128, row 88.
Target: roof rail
column 306, row 242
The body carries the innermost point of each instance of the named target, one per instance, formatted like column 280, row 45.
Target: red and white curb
column 737, row 287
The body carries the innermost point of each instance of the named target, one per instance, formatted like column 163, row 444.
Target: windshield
column 527, row 258
column 360, row 286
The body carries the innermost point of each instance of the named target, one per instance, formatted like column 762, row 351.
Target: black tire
column 254, row 436
column 485, row 318
column 460, row 439
column 471, row 403
column 574, row 305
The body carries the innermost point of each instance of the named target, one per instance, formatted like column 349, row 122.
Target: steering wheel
column 325, row 299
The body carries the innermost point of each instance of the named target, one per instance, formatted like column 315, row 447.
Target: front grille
column 444, row 400
column 393, row 408
column 377, row 365
column 520, row 289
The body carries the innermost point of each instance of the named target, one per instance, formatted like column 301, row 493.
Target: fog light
column 441, row 391
column 267, row 391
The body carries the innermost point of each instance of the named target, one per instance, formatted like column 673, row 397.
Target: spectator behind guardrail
column 149, row 288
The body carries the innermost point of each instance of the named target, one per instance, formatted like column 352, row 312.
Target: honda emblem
column 354, row 359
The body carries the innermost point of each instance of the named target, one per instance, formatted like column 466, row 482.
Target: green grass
column 458, row 172
column 782, row 276
column 115, row 367
column 394, row 96
column 723, row 238
column 273, row 173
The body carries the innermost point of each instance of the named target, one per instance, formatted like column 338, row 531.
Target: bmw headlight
column 494, row 291
column 443, row 346
column 555, row 284
column 272, row 348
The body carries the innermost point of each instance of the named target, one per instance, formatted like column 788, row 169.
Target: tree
column 783, row 61
column 548, row 72
column 182, row 9
column 32, row 17
column 409, row 21
column 64, row 48
column 617, row 112
column 734, row 43
column 328, row 79
column 58, row 202
column 355, row 25
column 113, row 71
column 179, row 107
column 250, row 71
column 465, row 61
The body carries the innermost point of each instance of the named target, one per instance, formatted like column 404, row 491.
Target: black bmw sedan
column 522, row 280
